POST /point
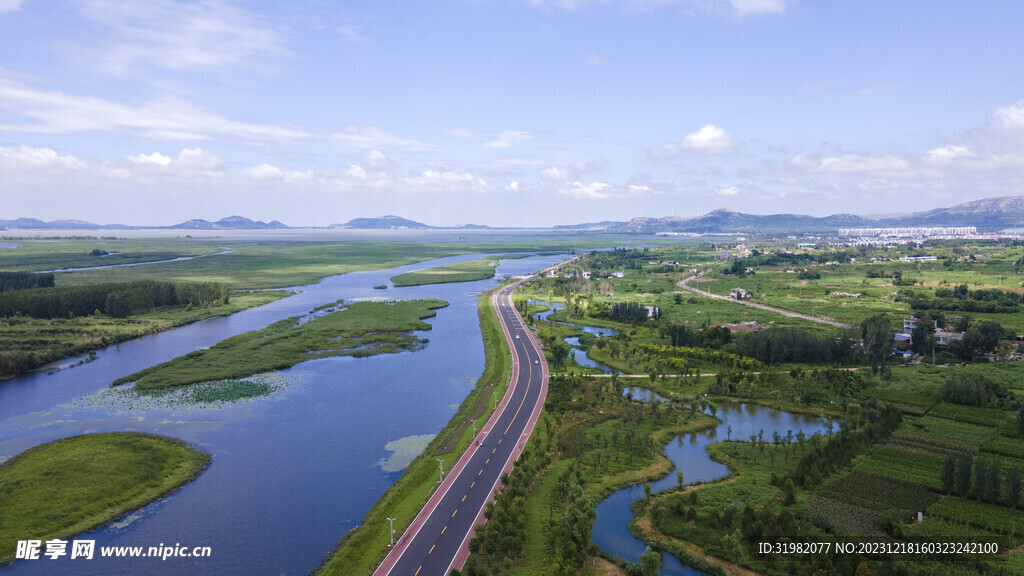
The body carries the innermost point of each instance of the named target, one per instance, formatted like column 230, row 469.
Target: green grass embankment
column 71, row 485
column 466, row 271
column 360, row 329
column 365, row 546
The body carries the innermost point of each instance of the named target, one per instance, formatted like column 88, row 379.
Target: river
column 689, row 454
column 292, row 472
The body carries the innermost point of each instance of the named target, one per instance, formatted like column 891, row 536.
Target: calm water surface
column 689, row 454
column 292, row 472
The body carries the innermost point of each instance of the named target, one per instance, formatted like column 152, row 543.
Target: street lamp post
column 440, row 465
column 474, row 427
column 391, row 522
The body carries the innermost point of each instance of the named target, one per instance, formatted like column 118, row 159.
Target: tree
column 647, row 490
column 650, row 562
column 876, row 335
column 679, row 478
column 982, row 337
column 1013, row 485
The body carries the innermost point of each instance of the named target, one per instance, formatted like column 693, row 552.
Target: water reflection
column 613, row 514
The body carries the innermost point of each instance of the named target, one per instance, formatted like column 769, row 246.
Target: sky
column 505, row 112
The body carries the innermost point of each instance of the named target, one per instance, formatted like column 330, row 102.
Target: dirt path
column 685, row 286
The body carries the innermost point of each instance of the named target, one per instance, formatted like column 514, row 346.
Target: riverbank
column 363, row 548
column 358, row 329
column 76, row 484
column 467, row 271
column 28, row 344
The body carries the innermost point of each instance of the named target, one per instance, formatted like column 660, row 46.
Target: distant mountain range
column 988, row 214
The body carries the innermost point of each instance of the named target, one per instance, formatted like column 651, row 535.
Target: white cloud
column 594, row 60
column 373, row 137
column 512, row 186
column 730, row 191
column 197, row 159
column 592, row 191
column 352, row 33
column 737, row 8
column 446, row 180
column 508, row 138
column 263, row 172
column 1011, row 116
column 555, row 174
column 154, row 158
column 52, row 112
column 709, row 139
column 356, row 171
column 144, row 34
column 947, row 154
column 849, row 163
column 10, row 5
column 375, row 159
column 31, row 157
column 744, row 8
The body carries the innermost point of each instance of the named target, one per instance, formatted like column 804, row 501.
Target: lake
column 292, row 472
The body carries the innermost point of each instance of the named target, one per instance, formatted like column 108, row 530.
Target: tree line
column 115, row 299
column 24, row 280
column 959, row 470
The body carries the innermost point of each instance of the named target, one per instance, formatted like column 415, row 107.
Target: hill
column 389, row 222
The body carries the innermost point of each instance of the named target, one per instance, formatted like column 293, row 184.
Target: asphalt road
column 438, row 538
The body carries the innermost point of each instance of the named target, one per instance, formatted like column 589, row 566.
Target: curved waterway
column 689, row 454
column 579, row 353
column 291, row 472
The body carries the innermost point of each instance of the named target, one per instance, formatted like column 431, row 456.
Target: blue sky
column 505, row 112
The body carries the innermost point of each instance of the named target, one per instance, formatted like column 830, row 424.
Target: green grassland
column 72, row 485
column 466, row 271
column 360, row 329
column 364, row 547
column 54, row 254
column 278, row 264
column 37, row 342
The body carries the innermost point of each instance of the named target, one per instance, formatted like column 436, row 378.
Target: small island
column 76, row 484
column 359, row 329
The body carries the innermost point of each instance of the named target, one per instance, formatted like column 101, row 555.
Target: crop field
column 903, row 465
column 879, row 493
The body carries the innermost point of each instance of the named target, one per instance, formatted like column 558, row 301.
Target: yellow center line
column 499, row 441
column 464, row 497
column 473, row 484
column 443, row 529
column 431, row 549
column 493, row 451
column 480, row 472
column 418, row 570
column 453, row 513
column 488, row 461
column 521, row 402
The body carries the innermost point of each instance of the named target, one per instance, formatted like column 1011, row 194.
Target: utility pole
column 474, row 427
column 440, row 465
column 391, row 522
